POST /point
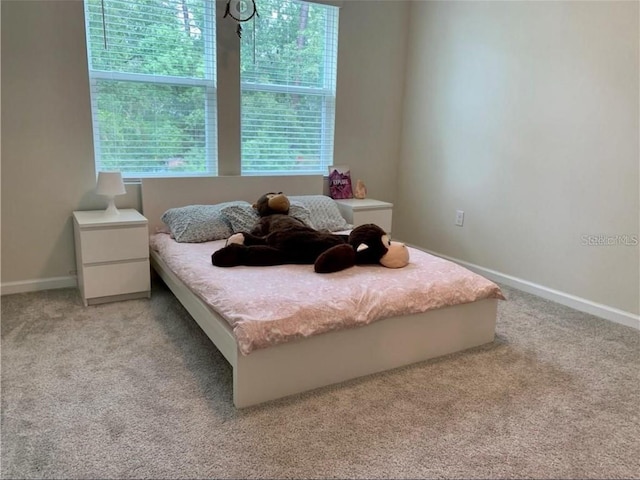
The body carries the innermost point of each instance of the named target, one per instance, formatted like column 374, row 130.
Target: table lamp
column 110, row 184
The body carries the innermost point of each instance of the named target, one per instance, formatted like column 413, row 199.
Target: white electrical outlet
column 459, row 217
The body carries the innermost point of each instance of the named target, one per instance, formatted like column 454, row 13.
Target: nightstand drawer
column 116, row 279
column 114, row 244
column 382, row 218
column 359, row 211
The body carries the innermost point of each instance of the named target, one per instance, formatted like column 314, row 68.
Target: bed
column 299, row 361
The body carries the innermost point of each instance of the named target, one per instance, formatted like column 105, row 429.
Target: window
column 153, row 90
column 288, row 84
column 152, row 71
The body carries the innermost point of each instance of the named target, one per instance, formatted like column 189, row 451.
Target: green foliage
column 289, row 37
column 148, row 36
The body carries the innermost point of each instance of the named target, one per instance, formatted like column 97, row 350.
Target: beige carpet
column 136, row 390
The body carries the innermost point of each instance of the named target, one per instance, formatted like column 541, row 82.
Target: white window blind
column 153, row 89
column 288, row 84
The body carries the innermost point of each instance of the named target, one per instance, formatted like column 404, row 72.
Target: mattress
column 266, row 306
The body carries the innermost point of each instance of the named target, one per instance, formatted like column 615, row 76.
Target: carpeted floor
column 136, row 390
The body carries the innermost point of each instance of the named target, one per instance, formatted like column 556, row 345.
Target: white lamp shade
column 110, row 184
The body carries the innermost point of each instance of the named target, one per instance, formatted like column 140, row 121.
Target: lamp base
column 111, row 210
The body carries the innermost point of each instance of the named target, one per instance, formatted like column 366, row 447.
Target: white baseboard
column 582, row 304
column 9, row 288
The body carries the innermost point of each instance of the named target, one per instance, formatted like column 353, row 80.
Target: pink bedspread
column 271, row 305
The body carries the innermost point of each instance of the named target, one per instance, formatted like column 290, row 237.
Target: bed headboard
column 160, row 194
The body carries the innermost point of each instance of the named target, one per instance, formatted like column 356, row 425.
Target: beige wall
column 47, row 149
column 525, row 116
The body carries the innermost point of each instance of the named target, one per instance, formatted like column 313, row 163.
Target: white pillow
column 243, row 218
column 323, row 211
column 199, row 223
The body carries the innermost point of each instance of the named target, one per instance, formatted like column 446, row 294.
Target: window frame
column 222, row 59
column 327, row 92
column 208, row 84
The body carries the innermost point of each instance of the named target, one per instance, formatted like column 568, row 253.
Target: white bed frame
column 320, row 360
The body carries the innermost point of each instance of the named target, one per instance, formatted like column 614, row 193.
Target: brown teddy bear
column 279, row 239
column 273, row 209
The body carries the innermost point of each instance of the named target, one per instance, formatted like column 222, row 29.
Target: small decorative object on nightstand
column 112, row 255
column 360, row 211
column 360, row 191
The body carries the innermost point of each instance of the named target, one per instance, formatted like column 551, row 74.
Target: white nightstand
column 367, row 210
column 112, row 256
